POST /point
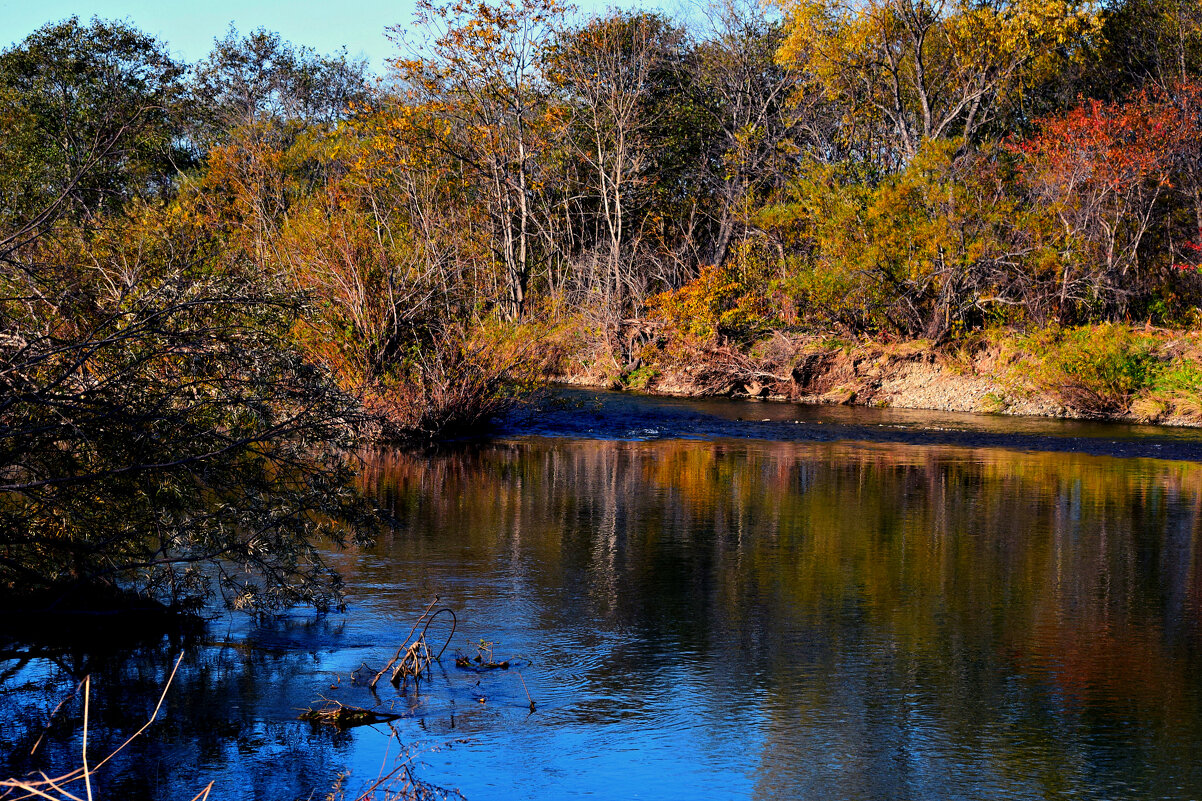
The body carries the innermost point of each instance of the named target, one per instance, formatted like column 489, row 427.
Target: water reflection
column 722, row 619
column 856, row 621
column 227, row 718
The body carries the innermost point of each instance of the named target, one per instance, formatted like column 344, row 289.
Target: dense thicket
column 161, row 436
column 212, row 273
column 893, row 168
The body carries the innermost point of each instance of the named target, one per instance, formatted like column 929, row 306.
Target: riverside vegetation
column 216, row 279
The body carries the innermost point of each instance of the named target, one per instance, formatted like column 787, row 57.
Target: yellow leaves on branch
column 823, row 34
column 877, row 51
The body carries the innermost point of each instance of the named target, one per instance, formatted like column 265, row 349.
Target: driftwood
column 340, row 716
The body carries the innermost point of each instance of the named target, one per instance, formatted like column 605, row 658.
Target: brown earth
column 909, row 375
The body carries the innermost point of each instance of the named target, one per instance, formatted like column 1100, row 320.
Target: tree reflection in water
column 720, row 619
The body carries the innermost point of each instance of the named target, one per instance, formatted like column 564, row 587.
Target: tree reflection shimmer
column 713, row 619
column 853, row 621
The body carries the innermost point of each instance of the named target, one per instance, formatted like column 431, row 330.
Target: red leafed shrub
column 1116, row 179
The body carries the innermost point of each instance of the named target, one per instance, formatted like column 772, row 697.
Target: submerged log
column 345, row 717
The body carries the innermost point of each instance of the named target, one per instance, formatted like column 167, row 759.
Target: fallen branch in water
column 412, row 659
column 336, row 714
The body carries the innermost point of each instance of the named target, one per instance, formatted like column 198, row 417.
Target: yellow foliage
column 931, row 70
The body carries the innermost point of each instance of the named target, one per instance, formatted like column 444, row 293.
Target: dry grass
column 65, row 787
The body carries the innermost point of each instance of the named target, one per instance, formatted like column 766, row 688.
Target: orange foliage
column 1101, row 170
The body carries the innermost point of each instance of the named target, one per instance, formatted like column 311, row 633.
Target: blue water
column 834, row 603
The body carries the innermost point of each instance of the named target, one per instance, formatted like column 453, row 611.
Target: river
column 711, row 599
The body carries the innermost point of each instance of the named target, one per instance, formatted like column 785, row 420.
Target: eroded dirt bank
column 985, row 377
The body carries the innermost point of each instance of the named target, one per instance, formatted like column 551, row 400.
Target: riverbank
column 1110, row 372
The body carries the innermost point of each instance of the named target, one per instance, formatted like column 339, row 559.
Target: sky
column 189, row 27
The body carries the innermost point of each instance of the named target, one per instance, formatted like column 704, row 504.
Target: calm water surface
column 801, row 603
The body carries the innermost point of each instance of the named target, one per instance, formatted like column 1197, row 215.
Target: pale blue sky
column 189, row 27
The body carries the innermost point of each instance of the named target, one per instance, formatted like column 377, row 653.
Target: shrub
column 172, row 447
column 457, row 381
column 731, row 302
column 1095, row 370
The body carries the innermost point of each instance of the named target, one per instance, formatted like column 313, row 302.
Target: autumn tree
column 920, row 253
column 478, row 76
column 391, row 250
column 260, row 108
column 916, row 70
column 637, row 122
column 606, row 69
column 760, row 123
column 395, row 257
column 1101, row 171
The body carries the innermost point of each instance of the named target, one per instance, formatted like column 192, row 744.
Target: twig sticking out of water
column 401, row 648
column 524, row 688
column 412, row 659
column 484, row 649
column 415, row 661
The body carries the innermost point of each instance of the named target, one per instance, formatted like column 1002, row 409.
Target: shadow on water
column 725, row 617
column 228, row 715
column 590, row 414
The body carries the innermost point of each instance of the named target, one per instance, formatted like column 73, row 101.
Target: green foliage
column 90, row 115
column 640, row 377
column 1176, row 390
column 1113, row 369
column 911, row 254
column 1100, row 369
column 1180, row 376
column 260, row 77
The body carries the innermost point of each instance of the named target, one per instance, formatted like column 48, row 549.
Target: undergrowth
column 1115, row 370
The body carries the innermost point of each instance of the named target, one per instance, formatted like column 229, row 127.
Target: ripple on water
column 731, row 618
